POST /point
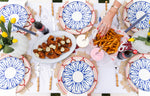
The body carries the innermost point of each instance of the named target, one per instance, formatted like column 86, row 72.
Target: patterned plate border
column 125, row 18
column 27, row 76
column 28, row 23
column 134, row 58
column 72, row 31
column 72, row 59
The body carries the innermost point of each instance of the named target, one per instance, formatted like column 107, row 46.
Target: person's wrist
column 112, row 11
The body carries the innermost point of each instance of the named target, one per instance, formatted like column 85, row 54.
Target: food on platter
column 53, row 47
column 110, row 42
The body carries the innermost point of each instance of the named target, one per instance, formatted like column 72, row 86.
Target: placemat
column 89, row 32
column 121, row 22
column 33, row 75
column 78, row 53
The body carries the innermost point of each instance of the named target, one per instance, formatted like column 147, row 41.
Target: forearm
column 114, row 9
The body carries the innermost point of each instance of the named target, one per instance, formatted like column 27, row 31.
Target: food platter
column 135, row 10
column 137, row 72
column 77, row 75
column 77, row 17
column 12, row 72
column 44, row 39
column 123, row 40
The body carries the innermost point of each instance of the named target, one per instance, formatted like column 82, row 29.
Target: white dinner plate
column 55, row 34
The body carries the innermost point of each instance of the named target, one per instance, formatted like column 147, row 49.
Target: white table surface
column 106, row 71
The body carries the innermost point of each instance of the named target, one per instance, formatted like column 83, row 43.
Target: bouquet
column 5, row 37
column 146, row 40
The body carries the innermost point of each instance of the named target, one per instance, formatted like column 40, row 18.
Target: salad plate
column 12, row 72
column 77, row 75
column 138, row 72
column 14, row 11
column 77, row 17
column 133, row 11
column 44, row 39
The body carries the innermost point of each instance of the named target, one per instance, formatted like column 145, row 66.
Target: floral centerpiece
column 5, row 38
column 146, row 40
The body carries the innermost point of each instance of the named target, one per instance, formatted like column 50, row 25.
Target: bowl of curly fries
column 111, row 42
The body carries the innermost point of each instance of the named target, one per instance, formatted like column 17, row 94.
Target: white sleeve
column 121, row 1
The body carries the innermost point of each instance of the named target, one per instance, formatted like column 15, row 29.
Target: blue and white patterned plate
column 76, row 15
column 139, row 74
column 78, row 77
column 137, row 10
column 11, row 72
column 14, row 11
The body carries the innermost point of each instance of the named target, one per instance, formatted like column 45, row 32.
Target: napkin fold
column 143, row 93
column 10, row 92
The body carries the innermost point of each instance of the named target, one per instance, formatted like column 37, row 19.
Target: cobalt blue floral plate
column 77, row 75
column 12, row 72
column 137, row 10
column 76, row 15
column 14, row 11
column 139, row 74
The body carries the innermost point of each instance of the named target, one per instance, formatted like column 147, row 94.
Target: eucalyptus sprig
column 5, row 38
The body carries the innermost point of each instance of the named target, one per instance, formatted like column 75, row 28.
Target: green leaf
column 147, row 43
column 140, row 38
column 3, row 27
column 8, row 49
column 9, row 28
column 1, row 41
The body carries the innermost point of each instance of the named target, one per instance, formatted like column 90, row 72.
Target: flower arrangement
column 146, row 40
column 5, row 38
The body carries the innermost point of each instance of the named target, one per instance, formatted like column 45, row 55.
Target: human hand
column 105, row 24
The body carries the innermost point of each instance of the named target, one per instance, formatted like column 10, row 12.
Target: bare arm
column 106, row 22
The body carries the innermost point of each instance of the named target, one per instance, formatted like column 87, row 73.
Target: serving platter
column 135, row 10
column 44, row 39
column 14, row 11
column 12, row 72
column 77, row 75
column 77, row 17
column 28, row 23
column 138, row 72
